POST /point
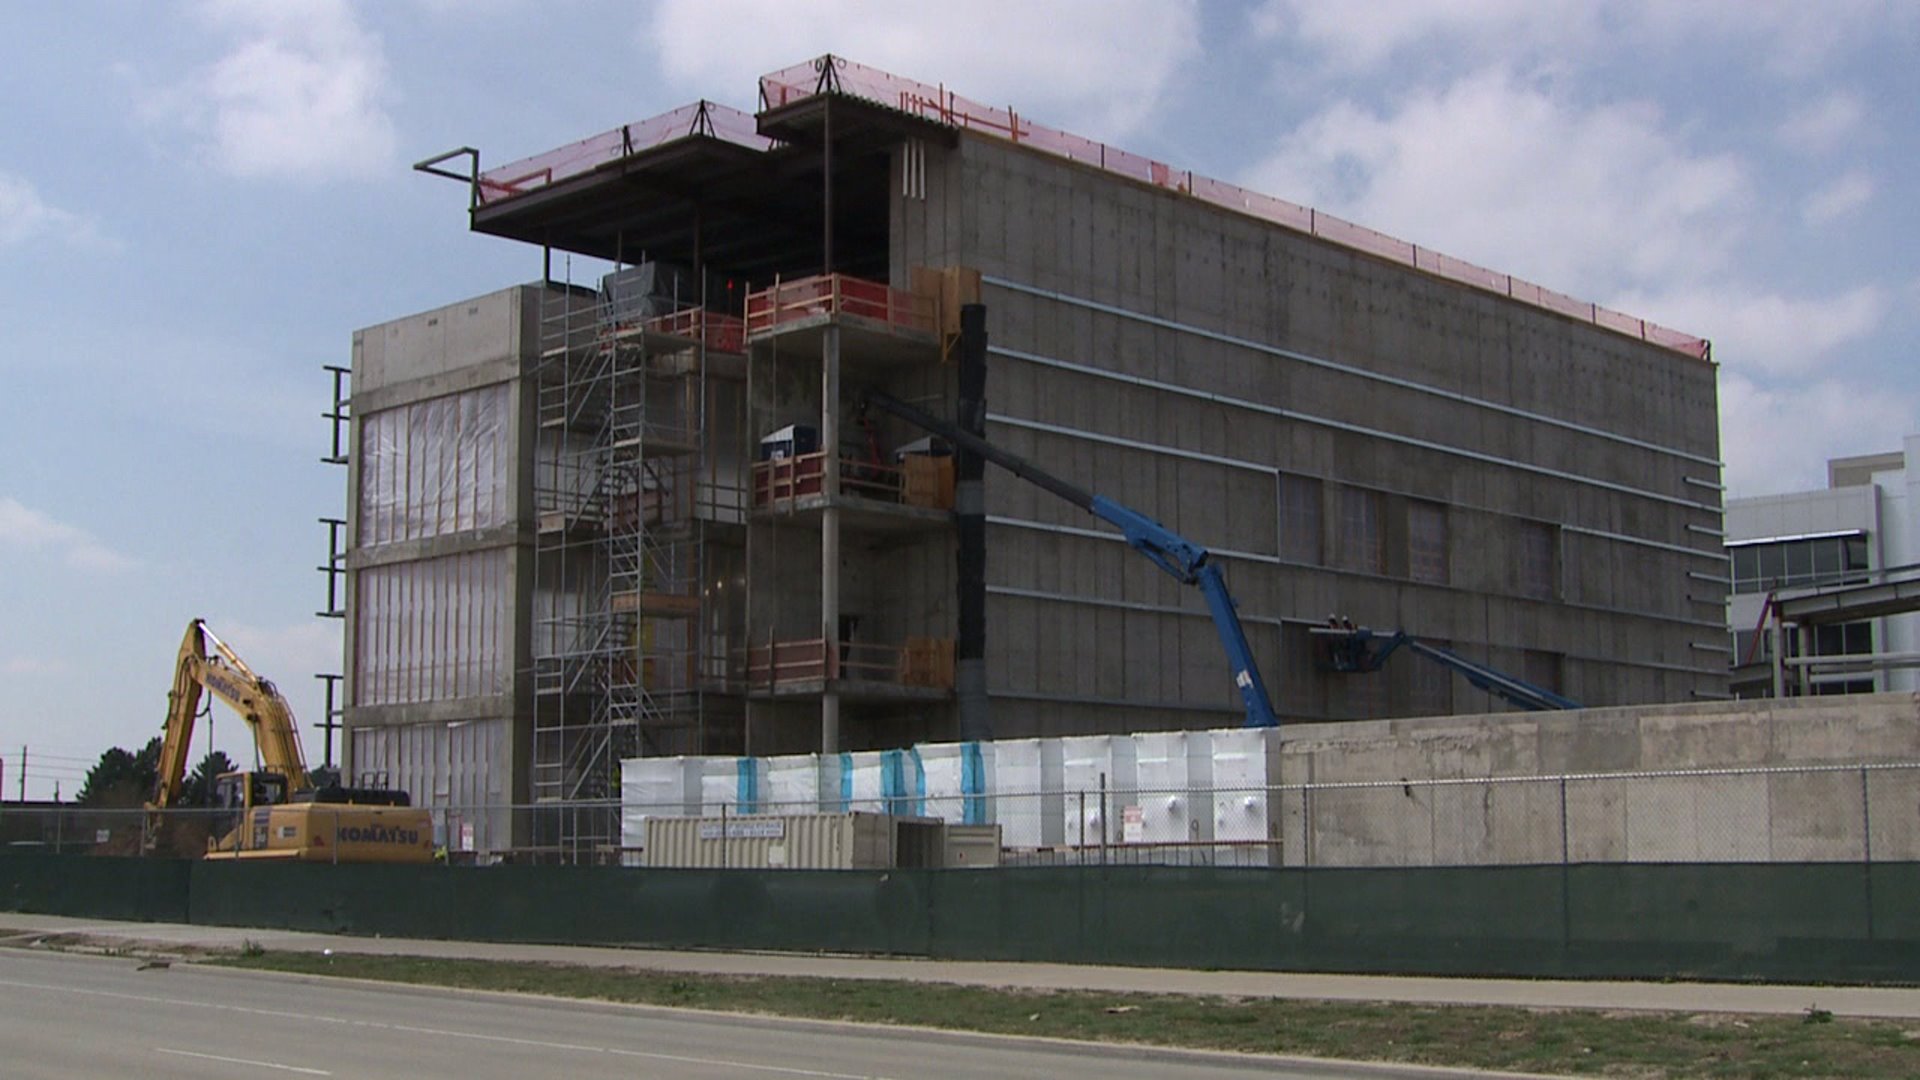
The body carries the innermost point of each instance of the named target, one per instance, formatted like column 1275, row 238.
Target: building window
column 1361, row 546
column 1534, row 561
column 1300, row 527
column 1427, row 542
column 1765, row 565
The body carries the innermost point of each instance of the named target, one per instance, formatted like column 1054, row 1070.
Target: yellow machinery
column 275, row 812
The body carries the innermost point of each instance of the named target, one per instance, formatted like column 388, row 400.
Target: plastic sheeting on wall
column 432, row 630
column 460, row 770
column 434, row 467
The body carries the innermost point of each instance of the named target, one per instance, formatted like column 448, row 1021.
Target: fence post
column 1866, row 848
column 1083, row 823
column 723, row 836
column 336, row 838
column 1306, row 825
column 1563, row 822
column 1103, row 819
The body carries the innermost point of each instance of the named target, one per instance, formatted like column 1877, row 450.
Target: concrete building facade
column 1861, row 531
column 1356, row 427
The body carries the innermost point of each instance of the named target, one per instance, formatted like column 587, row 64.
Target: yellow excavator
column 276, row 811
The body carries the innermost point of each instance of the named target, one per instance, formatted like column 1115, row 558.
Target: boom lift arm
column 1361, row 650
column 222, row 673
column 1185, row 561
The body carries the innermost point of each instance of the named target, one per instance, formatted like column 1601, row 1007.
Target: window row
column 1770, row 565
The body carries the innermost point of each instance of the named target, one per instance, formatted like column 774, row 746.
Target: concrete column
column 830, row 536
column 970, row 509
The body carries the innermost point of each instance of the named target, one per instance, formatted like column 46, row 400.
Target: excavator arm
column 220, row 671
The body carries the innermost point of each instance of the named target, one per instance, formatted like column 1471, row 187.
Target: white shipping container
column 862, row 782
column 1246, row 764
column 1176, row 775
column 733, row 782
column 960, row 781
column 801, row 784
column 1027, row 803
column 1089, row 766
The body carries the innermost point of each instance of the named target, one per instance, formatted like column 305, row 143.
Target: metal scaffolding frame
column 624, row 503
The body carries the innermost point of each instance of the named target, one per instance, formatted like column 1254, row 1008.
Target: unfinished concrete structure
column 1358, row 427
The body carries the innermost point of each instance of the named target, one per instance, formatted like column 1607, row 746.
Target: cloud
column 24, row 527
column 289, row 654
column 1588, row 200
column 1765, row 332
column 25, row 216
column 1094, row 66
column 33, row 665
column 1823, row 125
column 1790, row 39
column 1777, row 439
column 299, row 94
column 1837, row 199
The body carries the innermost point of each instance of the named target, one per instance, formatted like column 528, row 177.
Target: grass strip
column 1556, row 1041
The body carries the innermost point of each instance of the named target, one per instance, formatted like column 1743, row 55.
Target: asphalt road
column 64, row 1017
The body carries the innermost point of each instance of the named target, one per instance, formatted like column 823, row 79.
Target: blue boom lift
column 1186, row 561
column 1360, row 650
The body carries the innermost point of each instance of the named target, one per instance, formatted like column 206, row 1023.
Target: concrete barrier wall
column 1420, row 816
column 1778, row 921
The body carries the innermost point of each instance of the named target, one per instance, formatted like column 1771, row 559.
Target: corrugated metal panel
column 792, row 841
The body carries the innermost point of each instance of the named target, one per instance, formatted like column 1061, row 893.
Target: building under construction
column 640, row 510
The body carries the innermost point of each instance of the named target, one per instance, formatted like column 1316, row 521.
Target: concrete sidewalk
column 1883, row 1002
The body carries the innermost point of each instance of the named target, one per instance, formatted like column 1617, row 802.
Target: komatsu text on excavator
column 276, row 811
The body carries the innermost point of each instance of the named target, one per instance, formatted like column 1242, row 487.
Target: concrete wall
column 1755, row 816
column 1184, row 360
column 467, row 751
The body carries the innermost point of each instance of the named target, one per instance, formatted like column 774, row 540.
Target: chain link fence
column 1825, row 813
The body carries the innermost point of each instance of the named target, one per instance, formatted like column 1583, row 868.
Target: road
column 1885, row 1002
column 64, row 1016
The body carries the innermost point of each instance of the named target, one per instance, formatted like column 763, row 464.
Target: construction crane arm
column 1360, row 650
column 1182, row 559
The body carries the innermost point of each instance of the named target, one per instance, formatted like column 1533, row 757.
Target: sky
column 201, row 200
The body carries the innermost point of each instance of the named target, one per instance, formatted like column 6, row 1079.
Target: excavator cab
column 237, row 794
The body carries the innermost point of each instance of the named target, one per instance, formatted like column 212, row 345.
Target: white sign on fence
column 767, row 829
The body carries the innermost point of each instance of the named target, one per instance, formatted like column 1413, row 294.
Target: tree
column 198, row 790
column 122, row 779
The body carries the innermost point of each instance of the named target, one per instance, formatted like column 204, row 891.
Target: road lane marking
column 243, row 1061
column 650, row 1056
column 442, row 1033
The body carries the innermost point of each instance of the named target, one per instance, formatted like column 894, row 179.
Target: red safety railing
column 700, row 118
column 838, row 294
column 938, row 104
column 721, row 333
column 922, row 662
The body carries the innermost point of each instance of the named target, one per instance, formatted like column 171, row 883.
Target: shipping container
column 1246, row 765
column 851, row 841
column 1027, row 805
column 1175, row 798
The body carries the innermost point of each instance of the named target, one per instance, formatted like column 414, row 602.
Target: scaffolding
column 627, row 507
